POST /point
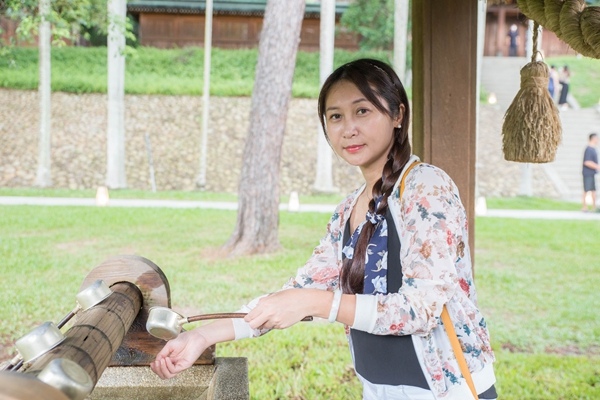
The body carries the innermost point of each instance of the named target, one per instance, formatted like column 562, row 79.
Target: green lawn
column 161, row 71
column 530, row 203
column 585, row 78
column 537, row 284
column 180, row 71
column 166, row 195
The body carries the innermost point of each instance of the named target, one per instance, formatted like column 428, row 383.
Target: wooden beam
column 444, row 91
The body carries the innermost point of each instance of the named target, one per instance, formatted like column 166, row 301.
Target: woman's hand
column 179, row 354
column 283, row 309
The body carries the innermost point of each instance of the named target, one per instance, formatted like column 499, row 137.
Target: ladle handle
column 203, row 317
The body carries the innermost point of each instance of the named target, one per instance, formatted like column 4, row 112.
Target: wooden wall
column 229, row 31
column 498, row 22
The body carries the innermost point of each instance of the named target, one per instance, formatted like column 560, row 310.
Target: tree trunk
column 400, row 32
column 44, row 177
column 115, row 140
column 324, row 174
column 258, row 212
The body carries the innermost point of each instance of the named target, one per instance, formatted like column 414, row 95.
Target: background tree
column 258, row 205
column 69, row 18
column 115, row 132
column 43, row 176
column 373, row 20
column 401, row 12
column 56, row 22
column 384, row 25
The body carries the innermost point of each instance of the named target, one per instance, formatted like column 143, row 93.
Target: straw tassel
column 532, row 130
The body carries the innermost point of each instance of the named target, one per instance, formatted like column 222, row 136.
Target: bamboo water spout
column 97, row 333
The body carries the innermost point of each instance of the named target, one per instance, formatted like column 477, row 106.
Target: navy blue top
column 590, row 155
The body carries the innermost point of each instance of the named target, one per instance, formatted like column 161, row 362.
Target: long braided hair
column 380, row 85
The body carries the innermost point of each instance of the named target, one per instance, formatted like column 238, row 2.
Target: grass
column 531, row 203
column 536, row 280
column 179, row 71
column 585, row 78
column 166, row 195
column 160, row 71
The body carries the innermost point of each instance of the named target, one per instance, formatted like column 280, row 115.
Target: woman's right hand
column 179, row 354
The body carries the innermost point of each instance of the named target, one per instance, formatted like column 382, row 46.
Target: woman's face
column 358, row 132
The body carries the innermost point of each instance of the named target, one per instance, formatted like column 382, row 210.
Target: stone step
column 577, row 125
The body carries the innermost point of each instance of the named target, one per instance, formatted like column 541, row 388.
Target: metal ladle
column 164, row 323
column 88, row 298
column 34, row 344
column 68, row 377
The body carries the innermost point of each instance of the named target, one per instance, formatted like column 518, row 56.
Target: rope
column 572, row 21
column 536, row 31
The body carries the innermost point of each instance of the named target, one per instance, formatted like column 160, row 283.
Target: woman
column 565, row 78
column 389, row 291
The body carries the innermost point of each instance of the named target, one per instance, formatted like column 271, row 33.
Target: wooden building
column 498, row 21
column 236, row 24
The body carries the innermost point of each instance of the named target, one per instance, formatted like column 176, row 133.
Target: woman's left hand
column 283, row 309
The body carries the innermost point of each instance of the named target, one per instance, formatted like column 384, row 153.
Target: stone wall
column 173, row 124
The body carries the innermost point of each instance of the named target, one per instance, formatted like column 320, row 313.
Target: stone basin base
column 226, row 379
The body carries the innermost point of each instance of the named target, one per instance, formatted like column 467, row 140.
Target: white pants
column 388, row 392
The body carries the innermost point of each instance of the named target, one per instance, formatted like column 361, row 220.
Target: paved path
column 215, row 205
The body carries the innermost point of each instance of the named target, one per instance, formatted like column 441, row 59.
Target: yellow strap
column 458, row 353
column 411, row 166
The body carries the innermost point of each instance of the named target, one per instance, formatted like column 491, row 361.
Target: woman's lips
column 354, row 148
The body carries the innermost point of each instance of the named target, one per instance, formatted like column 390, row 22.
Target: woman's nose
column 349, row 129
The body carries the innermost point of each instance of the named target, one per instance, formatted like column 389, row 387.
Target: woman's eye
column 361, row 111
column 334, row 117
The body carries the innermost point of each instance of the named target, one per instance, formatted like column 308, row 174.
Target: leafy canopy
column 373, row 20
column 69, row 18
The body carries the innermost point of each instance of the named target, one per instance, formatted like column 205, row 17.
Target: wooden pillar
column 444, row 91
column 501, row 33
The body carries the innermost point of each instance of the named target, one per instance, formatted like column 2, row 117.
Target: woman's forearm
column 217, row 332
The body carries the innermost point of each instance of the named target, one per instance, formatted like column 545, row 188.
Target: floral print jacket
column 434, row 252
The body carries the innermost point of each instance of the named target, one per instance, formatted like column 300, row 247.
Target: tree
column 53, row 22
column 43, row 176
column 66, row 17
column 324, row 174
column 258, row 205
column 401, row 9
column 373, row 20
column 115, row 133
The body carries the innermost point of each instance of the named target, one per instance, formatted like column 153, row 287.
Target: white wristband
column 335, row 305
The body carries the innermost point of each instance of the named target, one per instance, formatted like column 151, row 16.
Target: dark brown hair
column 380, row 85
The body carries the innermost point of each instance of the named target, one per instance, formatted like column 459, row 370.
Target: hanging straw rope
column 572, row 21
column 532, row 131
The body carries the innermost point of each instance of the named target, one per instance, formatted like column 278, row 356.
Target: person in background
column 565, row 78
column 553, row 82
column 590, row 168
column 390, row 262
column 512, row 34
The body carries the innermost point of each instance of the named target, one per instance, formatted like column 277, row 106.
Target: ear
column 398, row 120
